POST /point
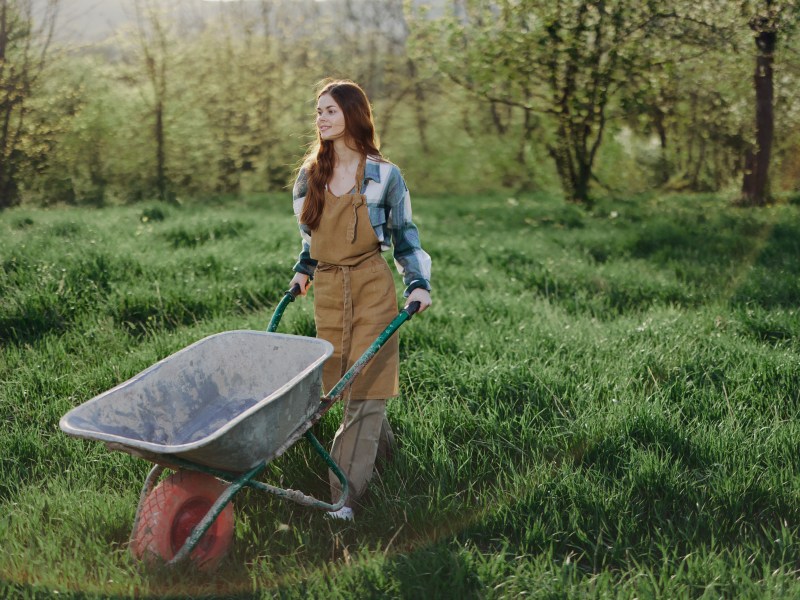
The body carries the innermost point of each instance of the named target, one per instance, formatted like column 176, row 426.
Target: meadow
column 598, row 404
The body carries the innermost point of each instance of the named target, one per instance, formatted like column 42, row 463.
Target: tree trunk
column 152, row 33
column 663, row 169
column 161, row 160
column 8, row 196
column 755, row 190
column 9, row 193
column 574, row 173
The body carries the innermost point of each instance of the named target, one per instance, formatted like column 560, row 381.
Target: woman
column 351, row 205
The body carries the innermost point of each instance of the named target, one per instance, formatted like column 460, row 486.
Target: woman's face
column 330, row 118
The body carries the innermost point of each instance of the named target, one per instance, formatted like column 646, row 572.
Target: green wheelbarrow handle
column 288, row 297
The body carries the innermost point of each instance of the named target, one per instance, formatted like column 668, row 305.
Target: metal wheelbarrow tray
column 228, row 401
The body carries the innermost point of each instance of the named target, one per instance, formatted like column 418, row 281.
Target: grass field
column 597, row 405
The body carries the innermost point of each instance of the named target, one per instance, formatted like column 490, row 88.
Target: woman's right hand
column 303, row 280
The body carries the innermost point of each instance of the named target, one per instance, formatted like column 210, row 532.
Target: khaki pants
column 363, row 436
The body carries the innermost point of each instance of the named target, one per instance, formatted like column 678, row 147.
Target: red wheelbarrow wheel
column 172, row 510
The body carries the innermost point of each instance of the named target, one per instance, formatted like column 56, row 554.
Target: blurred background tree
column 187, row 99
column 564, row 59
column 24, row 52
column 771, row 21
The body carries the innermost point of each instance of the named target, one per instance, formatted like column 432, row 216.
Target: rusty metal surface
column 227, row 401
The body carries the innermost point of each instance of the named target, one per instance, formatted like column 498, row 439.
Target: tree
column 244, row 83
column 565, row 59
column 24, row 53
column 153, row 33
column 381, row 64
column 768, row 20
column 690, row 96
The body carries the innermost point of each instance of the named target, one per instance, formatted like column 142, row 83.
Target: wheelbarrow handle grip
column 288, row 297
column 294, row 291
column 412, row 308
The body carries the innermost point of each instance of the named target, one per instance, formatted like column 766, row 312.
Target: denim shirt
column 389, row 207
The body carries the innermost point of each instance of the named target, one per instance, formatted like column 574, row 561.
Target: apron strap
column 358, row 200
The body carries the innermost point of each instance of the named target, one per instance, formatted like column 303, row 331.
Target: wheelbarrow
column 216, row 413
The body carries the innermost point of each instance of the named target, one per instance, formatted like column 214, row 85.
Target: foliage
column 587, row 67
column 565, row 60
column 24, row 44
column 592, row 98
column 598, row 403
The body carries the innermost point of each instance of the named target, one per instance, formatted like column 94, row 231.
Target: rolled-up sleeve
column 305, row 264
column 412, row 262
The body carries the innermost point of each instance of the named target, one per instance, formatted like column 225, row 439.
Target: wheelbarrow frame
column 238, row 481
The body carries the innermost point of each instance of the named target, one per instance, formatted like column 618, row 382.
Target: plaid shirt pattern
column 389, row 207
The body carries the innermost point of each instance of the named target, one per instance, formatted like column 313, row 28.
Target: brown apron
column 354, row 295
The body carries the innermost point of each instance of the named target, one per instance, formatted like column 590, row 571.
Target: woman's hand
column 303, row 280
column 422, row 296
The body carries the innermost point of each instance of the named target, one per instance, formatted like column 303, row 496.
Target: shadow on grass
column 688, row 257
column 653, row 517
column 184, row 237
column 760, row 257
column 58, row 300
column 41, row 297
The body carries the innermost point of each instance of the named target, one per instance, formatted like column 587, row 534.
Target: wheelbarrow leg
column 336, row 471
column 213, row 512
column 149, row 484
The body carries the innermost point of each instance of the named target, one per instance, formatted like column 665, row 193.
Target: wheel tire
column 172, row 510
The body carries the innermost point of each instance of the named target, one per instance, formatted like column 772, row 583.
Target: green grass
column 597, row 405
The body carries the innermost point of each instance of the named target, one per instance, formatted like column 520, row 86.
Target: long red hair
column 320, row 160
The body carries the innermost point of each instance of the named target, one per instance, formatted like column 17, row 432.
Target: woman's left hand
column 422, row 296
